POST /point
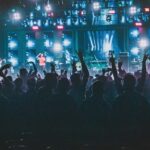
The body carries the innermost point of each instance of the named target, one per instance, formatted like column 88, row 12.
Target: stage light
column 133, row 10
column 57, row 47
column 31, row 59
column 135, row 33
column 47, row 43
column 35, row 28
column 16, row 16
column 112, row 12
column 13, row 61
column 66, row 42
column 48, row 8
column 138, row 24
column 147, row 9
column 30, row 44
column 135, row 51
column 143, row 43
column 60, row 27
column 12, row 44
column 96, row 6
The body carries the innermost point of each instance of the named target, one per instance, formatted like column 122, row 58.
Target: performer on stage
column 42, row 60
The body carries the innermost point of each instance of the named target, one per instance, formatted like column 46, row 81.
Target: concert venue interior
column 58, row 28
column 52, row 51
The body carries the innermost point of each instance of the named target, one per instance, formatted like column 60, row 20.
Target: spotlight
column 133, row 10
column 143, row 43
column 16, row 16
column 13, row 61
column 47, row 43
column 147, row 9
column 135, row 51
column 48, row 8
column 135, row 33
column 35, row 28
column 12, row 44
column 30, row 44
column 138, row 24
column 66, row 42
column 96, row 6
column 57, row 47
column 60, row 27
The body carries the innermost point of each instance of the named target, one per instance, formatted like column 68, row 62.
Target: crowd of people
column 110, row 108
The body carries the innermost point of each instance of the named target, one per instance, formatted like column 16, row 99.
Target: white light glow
column 135, row 33
column 48, row 8
column 16, row 16
column 30, row 44
column 13, row 61
column 12, row 44
column 135, row 51
column 96, row 5
column 66, row 42
column 133, row 10
column 57, row 47
column 143, row 43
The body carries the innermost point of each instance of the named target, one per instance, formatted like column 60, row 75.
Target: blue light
column 13, row 61
column 66, row 42
column 12, row 44
column 135, row 51
column 135, row 33
column 57, row 47
column 30, row 44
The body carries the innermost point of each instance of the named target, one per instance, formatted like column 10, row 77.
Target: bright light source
column 133, row 10
column 60, row 27
column 135, row 33
column 147, row 9
column 35, row 28
column 112, row 11
column 66, row 42
column 12, row 44
column 16, row 16
column 143, row 43
column 135, row 51
column 13, row 61
column 138, row 24
column 30, row 44
column 96, row 5
column 48, row 8
column 47, row 43
column 57, row 47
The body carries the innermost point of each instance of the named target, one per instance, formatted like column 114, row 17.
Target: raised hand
column 145, row 58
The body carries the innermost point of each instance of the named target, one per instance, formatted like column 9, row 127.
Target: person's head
column 23, row 72
column 63, row 85
column 75, row 79
column 129, row 82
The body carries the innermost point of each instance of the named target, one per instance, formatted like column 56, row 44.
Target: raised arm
column 143, row 77
column 74, row 69
column 84, row 68
column 34, row 73
column 115, row 74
